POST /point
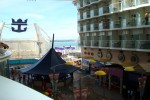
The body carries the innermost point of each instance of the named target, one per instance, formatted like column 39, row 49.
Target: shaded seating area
column 50, row 68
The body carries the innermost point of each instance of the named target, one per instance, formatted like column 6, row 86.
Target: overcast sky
column 53, row 16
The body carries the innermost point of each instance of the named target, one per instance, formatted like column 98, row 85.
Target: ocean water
column 66, row 43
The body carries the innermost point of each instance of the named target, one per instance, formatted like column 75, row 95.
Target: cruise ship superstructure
column 116, row 30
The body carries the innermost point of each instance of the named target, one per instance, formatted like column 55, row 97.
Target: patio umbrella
column 130, row 69
column 100, row 73
column 92, row 61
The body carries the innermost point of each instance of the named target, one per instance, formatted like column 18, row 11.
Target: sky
column 58, row 17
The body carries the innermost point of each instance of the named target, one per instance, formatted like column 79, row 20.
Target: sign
column 19, row 23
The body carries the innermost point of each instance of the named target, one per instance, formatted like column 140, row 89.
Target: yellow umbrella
column 129, row 69
column 100, row 73
column 92, row 61
column 69, row 63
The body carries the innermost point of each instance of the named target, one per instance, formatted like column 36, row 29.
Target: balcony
column 115, row 7
column 88, row 28
column 115, row 24
column 129, row 4
column 103, row 10
column 94, row 43
column 143, row 44
column 116, row 43
column 141, row 2
column 104, row 43
column 86, row 42
column 130, row 44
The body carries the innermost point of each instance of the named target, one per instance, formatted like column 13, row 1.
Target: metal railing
column 143, row 44
column 116, row 44
column 126, row 44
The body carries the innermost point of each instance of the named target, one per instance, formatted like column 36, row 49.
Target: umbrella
column 92, row 61
column 130, row 69
column 100, row 73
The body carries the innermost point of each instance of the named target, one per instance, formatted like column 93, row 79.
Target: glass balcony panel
column 92, row 27
column 88, row 14
column 100, row 10
column 145, row 22
column 105, row 9
column 104, row 43
column 106, row 24
column 92, row 1
column 84, row 15
column 143, row 2
column 131, row 23
column 87, row 43
column 96, row 27
column 144, row 44
column 116, row 43
column 92, row 13
column 94, row 43
column 88, row 28
column 129, row 44
column 84, row 28
column 101, row 25
column 115, row 7
column 95, row 12
column 124, row 23
column 129, row 3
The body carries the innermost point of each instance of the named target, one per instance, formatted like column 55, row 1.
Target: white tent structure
column 33, row 43
column 12, row 90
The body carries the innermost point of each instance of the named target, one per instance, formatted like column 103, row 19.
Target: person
column 24, row 79
column 3, row 45
column 19, row 78
column 146, row 19
column 49, row 90
column 12, row 74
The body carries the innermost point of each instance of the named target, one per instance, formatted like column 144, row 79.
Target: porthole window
column 108, row 56
column 99, row 54
column 121, row 57
column 134, row 59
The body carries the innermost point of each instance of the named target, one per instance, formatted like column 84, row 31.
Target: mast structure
column 1, row 28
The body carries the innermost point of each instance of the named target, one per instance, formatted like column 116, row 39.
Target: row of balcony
column 122, row 24
column 117, row 44
column 123, row 3
column 112, row 8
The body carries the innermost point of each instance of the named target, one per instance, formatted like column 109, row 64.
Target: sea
column 66, row 43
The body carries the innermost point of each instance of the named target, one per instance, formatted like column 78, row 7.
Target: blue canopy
column 51, row 60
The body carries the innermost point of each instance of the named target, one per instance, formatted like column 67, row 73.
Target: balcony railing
column 86, row 42
column 131, row 44
column 94, row 43
column 143, row 44
column 115, row 24
column 115, row 7
column 129, row 4
column 116, row 43
column 125, row 44
column 105, row 43
column 143, row 2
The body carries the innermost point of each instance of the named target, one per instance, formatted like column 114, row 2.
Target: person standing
column 19, row 77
